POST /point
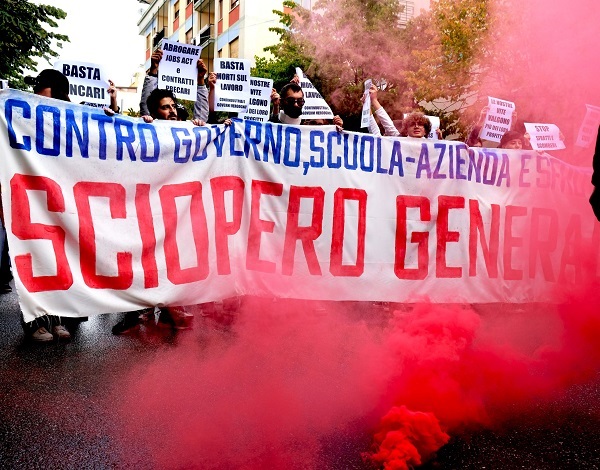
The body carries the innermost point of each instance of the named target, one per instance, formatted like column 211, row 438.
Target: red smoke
column 406, row 439
column 285, row 379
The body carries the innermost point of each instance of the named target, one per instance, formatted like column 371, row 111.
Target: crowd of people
column 286, row 108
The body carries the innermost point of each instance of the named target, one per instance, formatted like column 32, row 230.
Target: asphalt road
column 59, row 409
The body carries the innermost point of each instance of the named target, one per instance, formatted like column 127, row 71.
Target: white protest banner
column 315, row 107
column 589, row 127
column 112, row 214
column 498, row 119
column 544, row 136
column 259, row 106
column 178, row 69
column 232, row 92
column 366, row 109
column 88, row 82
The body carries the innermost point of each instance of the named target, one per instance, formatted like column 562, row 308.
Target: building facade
column 224, row 28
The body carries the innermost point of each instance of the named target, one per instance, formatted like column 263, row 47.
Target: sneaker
column 42, row 335
column 5, row 289
column 130, row 321
column 61, row 332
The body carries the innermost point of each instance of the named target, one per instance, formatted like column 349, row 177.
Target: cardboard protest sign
column 232, row 92
column 315, row 107
column 259, row 105
column 178, row 69
column 544, row 136
column 366, row 109
column 498, row 119
column 589, row 127
column 88, row 82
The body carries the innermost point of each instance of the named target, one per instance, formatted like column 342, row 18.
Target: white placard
column 366, row 109
column 435, row 125
column 498, row 119
column 233, row 85
column 315, row 107
column 259, row 105
column 178, row 69
column 544, row 136
column 589, row 127
column 88, row 83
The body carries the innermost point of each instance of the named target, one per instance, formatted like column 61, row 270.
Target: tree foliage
column 289, row 52
column 434, row 62
column 24, row 37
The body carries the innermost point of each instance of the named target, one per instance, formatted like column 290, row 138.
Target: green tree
column 289, row 52
column 24, row 37
column 444, row 69
column 339, row 45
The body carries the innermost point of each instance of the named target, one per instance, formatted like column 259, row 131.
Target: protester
column 595, row 197
column 512, row 140
column 52, row 84
column 201, row 107
column 416, row 125
column 292, row 101
column 288, row 104
column 389, row 126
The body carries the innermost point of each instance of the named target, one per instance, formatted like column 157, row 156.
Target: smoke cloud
column 305, row 385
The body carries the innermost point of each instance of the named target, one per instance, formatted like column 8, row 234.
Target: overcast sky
column 102, row 32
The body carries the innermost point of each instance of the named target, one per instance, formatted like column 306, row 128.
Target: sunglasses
column 291, row 101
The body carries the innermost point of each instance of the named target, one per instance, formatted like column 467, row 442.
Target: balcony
column 204, row 36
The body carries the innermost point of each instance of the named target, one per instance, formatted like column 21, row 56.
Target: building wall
column 240, row 27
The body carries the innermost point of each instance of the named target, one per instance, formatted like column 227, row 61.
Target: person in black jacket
column 595, row 197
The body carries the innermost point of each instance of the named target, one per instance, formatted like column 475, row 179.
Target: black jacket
column 595, row 197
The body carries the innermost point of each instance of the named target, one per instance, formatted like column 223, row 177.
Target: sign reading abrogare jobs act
column 233, row 85
column 113, row 214
column 88, row 82
column 178, row 69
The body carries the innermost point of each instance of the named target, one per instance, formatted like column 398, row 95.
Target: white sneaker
column 42, row 335
column 61, row 332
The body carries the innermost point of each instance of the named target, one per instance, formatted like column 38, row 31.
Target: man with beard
column 292, row 101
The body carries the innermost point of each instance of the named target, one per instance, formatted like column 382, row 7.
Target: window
column 234, row 48
column 234, row 3
column 176, row 10
column 220, row 10
column 189, row 34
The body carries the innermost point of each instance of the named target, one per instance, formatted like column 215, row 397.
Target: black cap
column 50, row 78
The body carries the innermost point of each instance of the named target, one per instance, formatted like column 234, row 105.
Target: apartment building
column 224, row 28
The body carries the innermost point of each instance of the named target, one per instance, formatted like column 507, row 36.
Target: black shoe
column 131, row 320
column 5, row 289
